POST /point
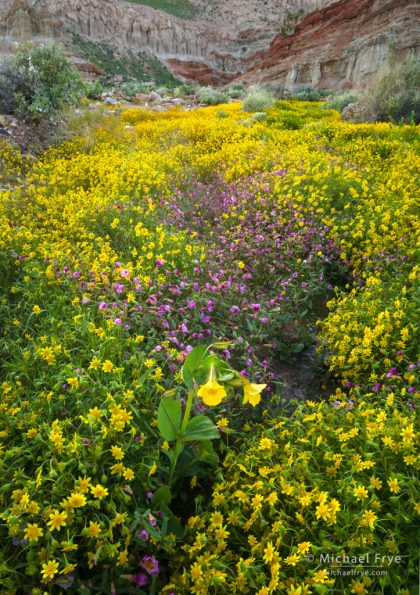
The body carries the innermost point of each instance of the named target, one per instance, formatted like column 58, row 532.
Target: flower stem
column 180, row 441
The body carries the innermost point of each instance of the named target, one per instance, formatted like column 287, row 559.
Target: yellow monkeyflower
column 212, row 392
column 252, row 392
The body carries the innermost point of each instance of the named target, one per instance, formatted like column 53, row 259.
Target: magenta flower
column 150, row 564
column 140, row 579
column 118, row 287
column 392, row 372
column 144, row 535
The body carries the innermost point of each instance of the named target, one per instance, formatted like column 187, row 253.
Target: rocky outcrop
column 340, row 44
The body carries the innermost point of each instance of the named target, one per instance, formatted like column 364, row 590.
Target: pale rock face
column 336, row 43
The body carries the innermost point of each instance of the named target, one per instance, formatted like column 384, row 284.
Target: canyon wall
column 287, row 42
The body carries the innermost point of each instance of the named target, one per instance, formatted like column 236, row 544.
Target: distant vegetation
column 179, row 8
column 142, row 67
column 394, row 97
column 258, row 98
column 37, row 82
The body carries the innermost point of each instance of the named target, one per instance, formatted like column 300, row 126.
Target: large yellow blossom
column 212, row 392
column 252, row 393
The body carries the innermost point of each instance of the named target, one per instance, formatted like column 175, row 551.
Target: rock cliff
column 340, row 43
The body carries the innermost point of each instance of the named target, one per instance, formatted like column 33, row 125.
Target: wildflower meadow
column 156, row 273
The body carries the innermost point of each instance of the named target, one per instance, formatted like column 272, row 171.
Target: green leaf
column 200, row 428
column 207, row 454
column 221, row 344
column 193, row 361
column 297, row 347
column 224, row 371
column 169, row 418
column 163, row 495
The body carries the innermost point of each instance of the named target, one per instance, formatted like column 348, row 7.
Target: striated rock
column 88, row 68
column 225, row 41
column 342, row 45
column 339, row 43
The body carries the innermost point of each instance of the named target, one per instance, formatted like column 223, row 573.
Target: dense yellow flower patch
column 122, row 249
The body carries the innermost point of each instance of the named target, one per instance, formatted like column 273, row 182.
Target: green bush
column 339, row 102
column 396, row 94
column 94, row 90
column 235, row 90
column 211, row 96
column 308, row 94
column 38, row 82
column 131, row 88
column 257, row 99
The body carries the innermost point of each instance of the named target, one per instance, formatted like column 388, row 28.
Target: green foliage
column 179, row 8
column 94, row 89
column 308, row 94
column 141, row 67
column 257, row 99
column 234, row 91
column 38, row 82
column 132, row 88
column 211, row 96
column 339, row 102
column 396, row 95
column 290, row 21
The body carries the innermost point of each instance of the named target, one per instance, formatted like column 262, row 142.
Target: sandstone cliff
column 341, row 43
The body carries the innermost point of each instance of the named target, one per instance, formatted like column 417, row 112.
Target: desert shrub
column 131, row 88
column 308, row 94
column 396, row 95
column 339, row 102
column 259, row 117
column 182, row 90
column 257, row 99
column 40, row 81
column 94, row 89
column 235, row 90
column 11, row 80
column 211, row 96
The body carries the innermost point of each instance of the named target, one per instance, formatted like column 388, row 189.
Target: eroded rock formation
column 341, row 43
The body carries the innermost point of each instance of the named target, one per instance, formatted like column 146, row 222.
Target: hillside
column 293, row 42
